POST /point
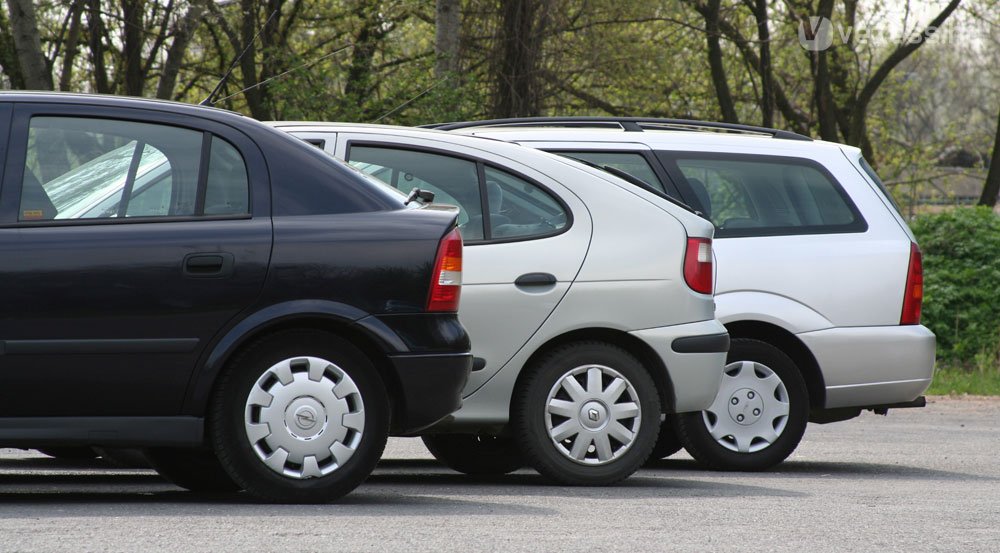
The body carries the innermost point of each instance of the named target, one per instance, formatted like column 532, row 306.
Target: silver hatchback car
column 819, row 277
column 588, row 301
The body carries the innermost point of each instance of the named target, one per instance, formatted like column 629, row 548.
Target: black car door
column 128, row 238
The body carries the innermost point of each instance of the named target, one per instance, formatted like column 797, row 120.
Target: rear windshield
column 878, row 182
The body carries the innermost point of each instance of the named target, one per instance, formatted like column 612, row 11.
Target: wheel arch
column 791, row 346
column 369, row 338
column 643, row 352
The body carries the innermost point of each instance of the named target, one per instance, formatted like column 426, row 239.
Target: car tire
column 758, row 417
column 300, row 416
column 667, row 443
column 586, row 413
column 475, row 455
column 195, row 469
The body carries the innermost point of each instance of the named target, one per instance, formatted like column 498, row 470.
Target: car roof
column 39, row 97
column 687, row 140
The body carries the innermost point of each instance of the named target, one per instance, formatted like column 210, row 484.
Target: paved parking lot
column 918, row 480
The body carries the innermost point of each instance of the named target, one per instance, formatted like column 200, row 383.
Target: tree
column 34, row 69
column 991, row 189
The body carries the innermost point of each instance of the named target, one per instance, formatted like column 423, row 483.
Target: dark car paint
column 83, row 339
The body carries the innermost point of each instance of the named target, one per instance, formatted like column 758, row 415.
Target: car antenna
column 210, row 100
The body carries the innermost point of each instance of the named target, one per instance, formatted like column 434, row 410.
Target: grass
column 957, row 381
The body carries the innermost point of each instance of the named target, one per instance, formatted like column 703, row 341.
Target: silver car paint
column 619, row 267
column 865, row 357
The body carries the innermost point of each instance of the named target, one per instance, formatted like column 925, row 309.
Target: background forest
column 915, row 84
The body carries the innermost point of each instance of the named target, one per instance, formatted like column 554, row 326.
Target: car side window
column 87, row 168
column 453, row 181
column 519, row 208
column 631, row 163
column 754, row 195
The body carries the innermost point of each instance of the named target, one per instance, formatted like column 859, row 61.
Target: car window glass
column 749, row 196
column 227, row 189
column 519, row 208
column 82, row 168
column 631, row 163
column 453, row 181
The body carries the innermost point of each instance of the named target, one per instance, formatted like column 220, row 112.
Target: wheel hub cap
column 592, row 415
column 751, row 409
column 304, row 417
column 746, row 407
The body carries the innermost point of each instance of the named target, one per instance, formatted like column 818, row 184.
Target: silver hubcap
column 751, row 410
column 304, row 417
column 592, row 415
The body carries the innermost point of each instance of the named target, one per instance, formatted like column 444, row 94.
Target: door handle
column 535, row 279
column 208, row 265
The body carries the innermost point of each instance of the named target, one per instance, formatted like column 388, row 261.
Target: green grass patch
column 957, row 381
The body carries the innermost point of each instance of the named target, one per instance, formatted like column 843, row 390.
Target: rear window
column 878, row 182
column 748, row 195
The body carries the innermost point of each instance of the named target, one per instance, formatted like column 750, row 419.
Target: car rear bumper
column 873, row 365
column 694, row 355
column 430, row 388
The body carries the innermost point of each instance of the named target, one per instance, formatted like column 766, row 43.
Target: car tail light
column 913, row 296
column 698, row 265
column 446, row 281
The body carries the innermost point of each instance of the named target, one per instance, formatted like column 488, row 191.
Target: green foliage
column 961, row 253
column 957, row 381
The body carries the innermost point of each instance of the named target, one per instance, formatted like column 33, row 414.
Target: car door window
column 85, row 168
column 453, row 181
column 756, row 195
column 519, row 208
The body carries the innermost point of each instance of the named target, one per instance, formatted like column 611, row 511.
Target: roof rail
column 628, row 124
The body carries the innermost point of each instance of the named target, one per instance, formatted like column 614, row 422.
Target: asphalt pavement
column 918, row 480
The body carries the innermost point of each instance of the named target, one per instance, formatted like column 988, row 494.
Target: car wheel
column 758, row 416
column 193, row 469
column 475, row 455
column 300, row 416
column 586, row 414
column 70, row 453
column 667, row 443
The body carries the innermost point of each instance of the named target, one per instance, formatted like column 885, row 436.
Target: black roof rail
column 628, row 124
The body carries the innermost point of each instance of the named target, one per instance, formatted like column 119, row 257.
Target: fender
column 273, row 316
column 781, row 311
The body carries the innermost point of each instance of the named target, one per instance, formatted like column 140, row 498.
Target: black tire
column 193, row 469
column 238, row 456
column 667, row 443
column 475, row 455
column 694, row 433
column 70, row 453
column 529, row 415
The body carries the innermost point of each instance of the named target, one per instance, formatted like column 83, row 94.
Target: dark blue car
column 252, row 313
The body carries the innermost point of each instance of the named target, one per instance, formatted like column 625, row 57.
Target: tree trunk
column 24, row 27
column 183, row 32
column 95, row 28
column 447, row 24
column 517, row 58
column 134, row 29
column 826, row 107
column 72, row 46
column 710, row 12
column 765, row 70
column 991, row 189
column 8, row 54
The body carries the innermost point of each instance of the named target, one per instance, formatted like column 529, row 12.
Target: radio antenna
column 211, row 97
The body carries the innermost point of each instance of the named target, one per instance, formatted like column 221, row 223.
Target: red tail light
column 698, row 265
column 913, row 296
column 446, row 280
